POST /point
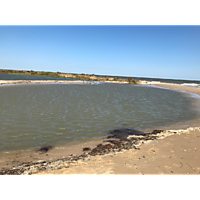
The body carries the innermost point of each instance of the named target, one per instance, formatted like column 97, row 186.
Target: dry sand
column 175, row 154
column 194, row 90
column 172, row 155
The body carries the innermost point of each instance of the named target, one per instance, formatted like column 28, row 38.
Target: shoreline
column 17, row 82
column 105, row 150
column 42, row 165
column 11, row 82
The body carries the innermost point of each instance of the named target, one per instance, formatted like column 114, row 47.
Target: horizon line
column 108, row 75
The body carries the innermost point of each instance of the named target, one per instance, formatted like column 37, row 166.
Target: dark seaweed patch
column 44, row 149
column 117, row 140
column 86, row 149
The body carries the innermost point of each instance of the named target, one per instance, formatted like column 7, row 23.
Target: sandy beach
column 177, row 154
column 184, row 88
column 171, row 152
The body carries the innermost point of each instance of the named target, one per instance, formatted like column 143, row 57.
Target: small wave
column 153, row 82
column 191, row 84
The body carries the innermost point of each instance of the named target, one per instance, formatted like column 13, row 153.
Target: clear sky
column 140, row 51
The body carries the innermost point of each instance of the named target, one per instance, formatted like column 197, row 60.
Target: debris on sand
column 118, row 140
column 44, row 149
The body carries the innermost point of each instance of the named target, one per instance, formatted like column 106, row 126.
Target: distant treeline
column 30, row 73
column 71, row 76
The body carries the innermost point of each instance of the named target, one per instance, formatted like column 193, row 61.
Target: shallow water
column 58, row 114
column 26, row 77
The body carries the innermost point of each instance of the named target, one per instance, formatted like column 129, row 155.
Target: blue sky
column 140, row 51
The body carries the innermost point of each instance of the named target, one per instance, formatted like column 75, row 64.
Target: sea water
column 35, row 115
column 28, row 77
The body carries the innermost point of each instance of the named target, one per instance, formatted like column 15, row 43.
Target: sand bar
column 7, row 82
column 185, row 88
column 11, row 82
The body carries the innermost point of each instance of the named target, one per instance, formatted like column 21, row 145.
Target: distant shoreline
column 57, row 75
column 9, row 82
column 93, row 77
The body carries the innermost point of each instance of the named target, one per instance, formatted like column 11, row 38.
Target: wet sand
column 175, row 154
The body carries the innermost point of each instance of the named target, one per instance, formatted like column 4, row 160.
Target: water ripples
column 36, row 115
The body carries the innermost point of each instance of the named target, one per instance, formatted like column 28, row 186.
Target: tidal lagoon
column 49, row 124
column 37, row 115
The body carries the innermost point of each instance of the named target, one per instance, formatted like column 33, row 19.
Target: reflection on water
column 42, row 114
